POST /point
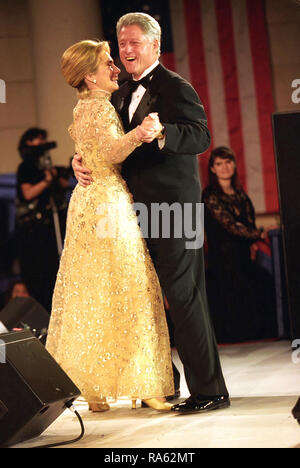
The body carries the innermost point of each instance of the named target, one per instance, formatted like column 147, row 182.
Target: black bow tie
column 134, row 84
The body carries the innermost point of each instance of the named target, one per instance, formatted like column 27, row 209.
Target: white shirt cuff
column 161, row 143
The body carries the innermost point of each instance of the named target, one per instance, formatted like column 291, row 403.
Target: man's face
column 137, row 51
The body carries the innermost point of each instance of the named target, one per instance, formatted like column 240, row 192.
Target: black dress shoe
column 201, row 404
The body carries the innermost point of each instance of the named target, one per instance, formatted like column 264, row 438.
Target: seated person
column 241, row 294
column 17, row 289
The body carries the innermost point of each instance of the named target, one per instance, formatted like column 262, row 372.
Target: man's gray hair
column 147, row 23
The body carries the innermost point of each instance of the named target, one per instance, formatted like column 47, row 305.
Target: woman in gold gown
column 108, row 328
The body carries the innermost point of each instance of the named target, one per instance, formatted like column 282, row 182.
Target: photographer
column 40, row 187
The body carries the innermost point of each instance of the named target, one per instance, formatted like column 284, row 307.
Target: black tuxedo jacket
column 171, row 174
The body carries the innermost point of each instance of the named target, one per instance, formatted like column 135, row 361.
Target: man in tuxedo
column 166, row 171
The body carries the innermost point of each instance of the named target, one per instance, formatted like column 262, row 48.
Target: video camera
column 45, row 161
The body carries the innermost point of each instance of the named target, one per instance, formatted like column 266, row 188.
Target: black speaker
column 286, row 131
column 27, row 313
column 33, row 388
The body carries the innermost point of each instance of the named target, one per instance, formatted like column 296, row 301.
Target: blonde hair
column 81, row 59
column 147, row 23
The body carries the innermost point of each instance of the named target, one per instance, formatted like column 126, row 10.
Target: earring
column 95, row 81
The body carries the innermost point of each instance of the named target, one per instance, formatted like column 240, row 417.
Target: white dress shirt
column 137, row 96
column 139, row 92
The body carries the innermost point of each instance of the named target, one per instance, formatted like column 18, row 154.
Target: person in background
column 17, row 289
column 37, row 181
column 240, row 293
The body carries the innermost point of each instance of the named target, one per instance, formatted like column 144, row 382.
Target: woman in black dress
column 241, row 294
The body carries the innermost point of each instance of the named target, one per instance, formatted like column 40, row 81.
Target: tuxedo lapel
column 148, row 100
column 118, row 98
column 143, row 109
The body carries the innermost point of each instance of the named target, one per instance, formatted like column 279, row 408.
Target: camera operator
column 38, row 186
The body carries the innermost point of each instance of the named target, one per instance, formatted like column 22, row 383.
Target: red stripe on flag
column 168, row 60
column 194, row 35
column 265, row 103
column 230, row 79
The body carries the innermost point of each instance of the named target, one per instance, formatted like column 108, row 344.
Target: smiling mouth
column 130, row 59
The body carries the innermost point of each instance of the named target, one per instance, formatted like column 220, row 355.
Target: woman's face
column 223, row 168
column 106, row 76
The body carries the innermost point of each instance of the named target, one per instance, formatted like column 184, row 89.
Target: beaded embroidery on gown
column 108, row 329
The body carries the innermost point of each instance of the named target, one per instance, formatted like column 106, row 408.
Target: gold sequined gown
column 108, row 328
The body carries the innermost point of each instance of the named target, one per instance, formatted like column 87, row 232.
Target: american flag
column 221, row 47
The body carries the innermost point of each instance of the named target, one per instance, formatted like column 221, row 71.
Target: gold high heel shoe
column 99, row 405
column 154, row 403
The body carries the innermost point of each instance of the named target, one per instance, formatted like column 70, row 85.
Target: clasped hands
column 149, row 129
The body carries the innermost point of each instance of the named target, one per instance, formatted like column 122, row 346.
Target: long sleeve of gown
column 97, row 119
column 223, row 216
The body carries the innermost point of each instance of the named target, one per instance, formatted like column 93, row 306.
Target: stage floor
column 264, row 385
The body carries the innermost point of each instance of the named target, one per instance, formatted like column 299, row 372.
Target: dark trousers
column 182, row 277
column 39, row 261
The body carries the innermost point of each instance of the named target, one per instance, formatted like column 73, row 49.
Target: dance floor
column 264, row 383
